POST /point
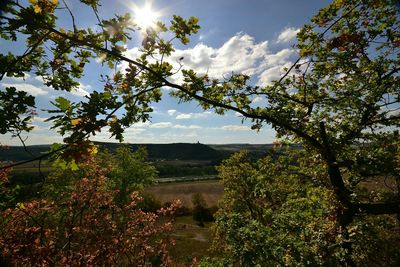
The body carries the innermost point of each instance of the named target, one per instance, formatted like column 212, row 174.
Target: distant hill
column 177, row 151
column 17, row 153
column 255, row 150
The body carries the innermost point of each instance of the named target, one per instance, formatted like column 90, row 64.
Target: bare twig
column 72, row 16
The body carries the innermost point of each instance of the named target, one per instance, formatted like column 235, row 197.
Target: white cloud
column 395, row 112
column 237, row 114
column 133, row 53
column 24, row 84
column 167, row 124
column 257, row 99
column 235, row 128
column 29, row 88
column 186, row 116
column 39, row 78
column 160, row 125
column 228, row 58
column 82, row 90
column 27, row 76
column 140, row 124
column 239, row 54
column 287, row 35
column 280, row 57
column 40, row 119
column 134, row 130
column 171, row 112
column 193, row 126
column 271, row 74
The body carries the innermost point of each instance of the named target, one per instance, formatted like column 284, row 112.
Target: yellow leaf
column 92, row 150
column 75, row 122
column 339, row 3
column 37, row 9
column 55, row 2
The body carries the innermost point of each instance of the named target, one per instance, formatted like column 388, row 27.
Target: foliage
column 6, row 195
column 128, row 171
column 177, row 169
column 150, row 203
column 14, row 103
column 68, row 53
column 339, row 100
column 83, row 226
column 199, row 208
column 275, row 212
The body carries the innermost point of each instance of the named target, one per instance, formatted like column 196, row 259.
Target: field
column 191, row 239
column 211, row 191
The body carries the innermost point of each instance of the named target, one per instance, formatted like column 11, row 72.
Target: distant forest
column 156, row 152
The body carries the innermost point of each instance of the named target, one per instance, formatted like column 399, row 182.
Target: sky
column 255, row 37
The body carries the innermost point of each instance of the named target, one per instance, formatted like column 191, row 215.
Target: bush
column 85, row 226
column 149, row 203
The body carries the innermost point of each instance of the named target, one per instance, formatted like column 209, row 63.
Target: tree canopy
column 340, row 99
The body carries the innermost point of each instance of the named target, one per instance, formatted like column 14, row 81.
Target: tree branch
column 34, row 159
column 379, row 208
column 264, row 117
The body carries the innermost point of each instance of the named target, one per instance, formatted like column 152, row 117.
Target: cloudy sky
column 255, row 37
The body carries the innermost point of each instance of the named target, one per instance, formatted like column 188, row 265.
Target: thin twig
column 72, row 16
column 34, row 159
column 27, row 52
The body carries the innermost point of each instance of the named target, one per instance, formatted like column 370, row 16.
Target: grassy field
column 211, row 191
column 33, row 167
column 191, row 241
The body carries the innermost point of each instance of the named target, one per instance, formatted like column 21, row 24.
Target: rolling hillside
column 177, row 151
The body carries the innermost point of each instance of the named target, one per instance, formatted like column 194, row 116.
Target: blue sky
column 253, row 37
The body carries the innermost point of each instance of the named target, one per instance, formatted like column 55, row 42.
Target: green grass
column 191, row 240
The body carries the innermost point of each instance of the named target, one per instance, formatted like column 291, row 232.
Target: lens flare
column 145, row 17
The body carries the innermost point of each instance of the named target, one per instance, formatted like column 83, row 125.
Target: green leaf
column 63, row 103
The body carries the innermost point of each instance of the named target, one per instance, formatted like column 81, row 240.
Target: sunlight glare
column 145, row 17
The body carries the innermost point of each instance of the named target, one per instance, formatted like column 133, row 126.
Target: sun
column 145, row 17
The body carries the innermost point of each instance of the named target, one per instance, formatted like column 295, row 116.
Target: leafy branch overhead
column 340, row 99
column 70, row 50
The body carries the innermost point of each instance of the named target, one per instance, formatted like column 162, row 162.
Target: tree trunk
column 345, row 210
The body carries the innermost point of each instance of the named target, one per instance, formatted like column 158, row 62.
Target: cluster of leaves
column 275, row 212
column 81, row 224
column 201, row 212
column 349, row 48
column 61, row 66
column 340, row 100
column 5, row 194
column 12, row 105
column 128, row 171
